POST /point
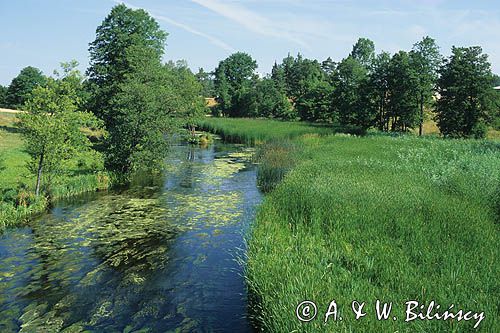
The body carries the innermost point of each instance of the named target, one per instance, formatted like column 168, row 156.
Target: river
column 157, row 258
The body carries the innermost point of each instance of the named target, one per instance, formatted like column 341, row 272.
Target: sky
column 203, row 32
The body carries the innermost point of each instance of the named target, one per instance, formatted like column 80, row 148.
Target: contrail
column 186, row 27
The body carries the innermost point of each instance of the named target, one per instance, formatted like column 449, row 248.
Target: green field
column 376, row 217
column 17, row 201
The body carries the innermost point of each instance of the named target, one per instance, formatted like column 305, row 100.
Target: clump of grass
column 275, row 159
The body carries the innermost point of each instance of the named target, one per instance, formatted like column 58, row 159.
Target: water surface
column 153, row 258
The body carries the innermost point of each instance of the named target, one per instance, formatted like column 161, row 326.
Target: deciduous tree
column 466, row 97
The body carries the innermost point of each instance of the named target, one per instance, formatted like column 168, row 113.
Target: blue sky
column 203, row 32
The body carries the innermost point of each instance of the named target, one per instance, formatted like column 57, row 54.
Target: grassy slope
column 11, row 148
column 14, row 160
column 395, row 219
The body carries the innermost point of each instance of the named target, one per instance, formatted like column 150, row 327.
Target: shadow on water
column 157, row 257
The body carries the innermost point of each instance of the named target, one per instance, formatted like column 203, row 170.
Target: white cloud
column 187, row 28
column 253, row 21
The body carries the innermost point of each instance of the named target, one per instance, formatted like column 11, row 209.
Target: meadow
column 375, row 217
column 17, row 200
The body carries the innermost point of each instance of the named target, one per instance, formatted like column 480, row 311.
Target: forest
column 380, row 174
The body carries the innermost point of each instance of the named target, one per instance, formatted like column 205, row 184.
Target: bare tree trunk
column 39, row 175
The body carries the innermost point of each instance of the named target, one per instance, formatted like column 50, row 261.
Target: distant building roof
column 496, row 88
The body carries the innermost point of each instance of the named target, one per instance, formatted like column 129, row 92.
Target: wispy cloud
column 252, row 21
column 214, row 40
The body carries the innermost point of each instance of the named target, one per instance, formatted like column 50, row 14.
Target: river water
column 159, row 257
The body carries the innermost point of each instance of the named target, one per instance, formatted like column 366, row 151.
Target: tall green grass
column 254, row 131
column 370, row 218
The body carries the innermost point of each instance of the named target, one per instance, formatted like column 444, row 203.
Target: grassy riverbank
column 377, row 217
column 251, row 131
column 17, row 201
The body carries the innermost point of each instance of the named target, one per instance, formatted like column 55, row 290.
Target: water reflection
column 155, row 258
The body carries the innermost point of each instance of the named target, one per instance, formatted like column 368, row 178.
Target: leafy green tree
column 141, row 114
column 496, row 80
column 402, row 106
column 272, row 102
column 351, row 101
column 232, row 76
column 329, row 66
column 278, row 76
column 52, row 126
column 466, row 98
column 207, row 82
column 188, row 105
column 425, row 60
column 121, row 29
column 316, row 103
column 364, row 52
column 3, row 96
column 22, row 85
column 131, row 91
column 379, row 87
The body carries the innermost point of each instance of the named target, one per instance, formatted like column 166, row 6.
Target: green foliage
column 207, row 82
column 316, row 103
column 51, row 127
column 138, row 115
column 3, row 96
column 351, row 99
column 297, row 75
column 379, row 88
column 425, row 61
column 22, row 85
column 466, row 98
column 122, row 29
column 364, row 52
column 402, row 105
column 233, row 75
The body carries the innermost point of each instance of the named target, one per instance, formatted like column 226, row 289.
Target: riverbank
column 376, row 218
column 17, row 200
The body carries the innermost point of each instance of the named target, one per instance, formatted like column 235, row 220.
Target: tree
column 466, row 101
column 188, row 104
column 207, row 82
column 351, row 101
column 402, row 105
column 316, row 103
column 496, row 80
column 3, row 96
column 131, row 91
column 379, row 87
column 121, row 29
column 142, row 110
column 22, row 86
column 272, row 102
column 425, row 61
column 364, row 52
column 52, row 126
column 232, row 75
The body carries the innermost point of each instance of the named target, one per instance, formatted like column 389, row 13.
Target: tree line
column 135, row 99
column 364, row 90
